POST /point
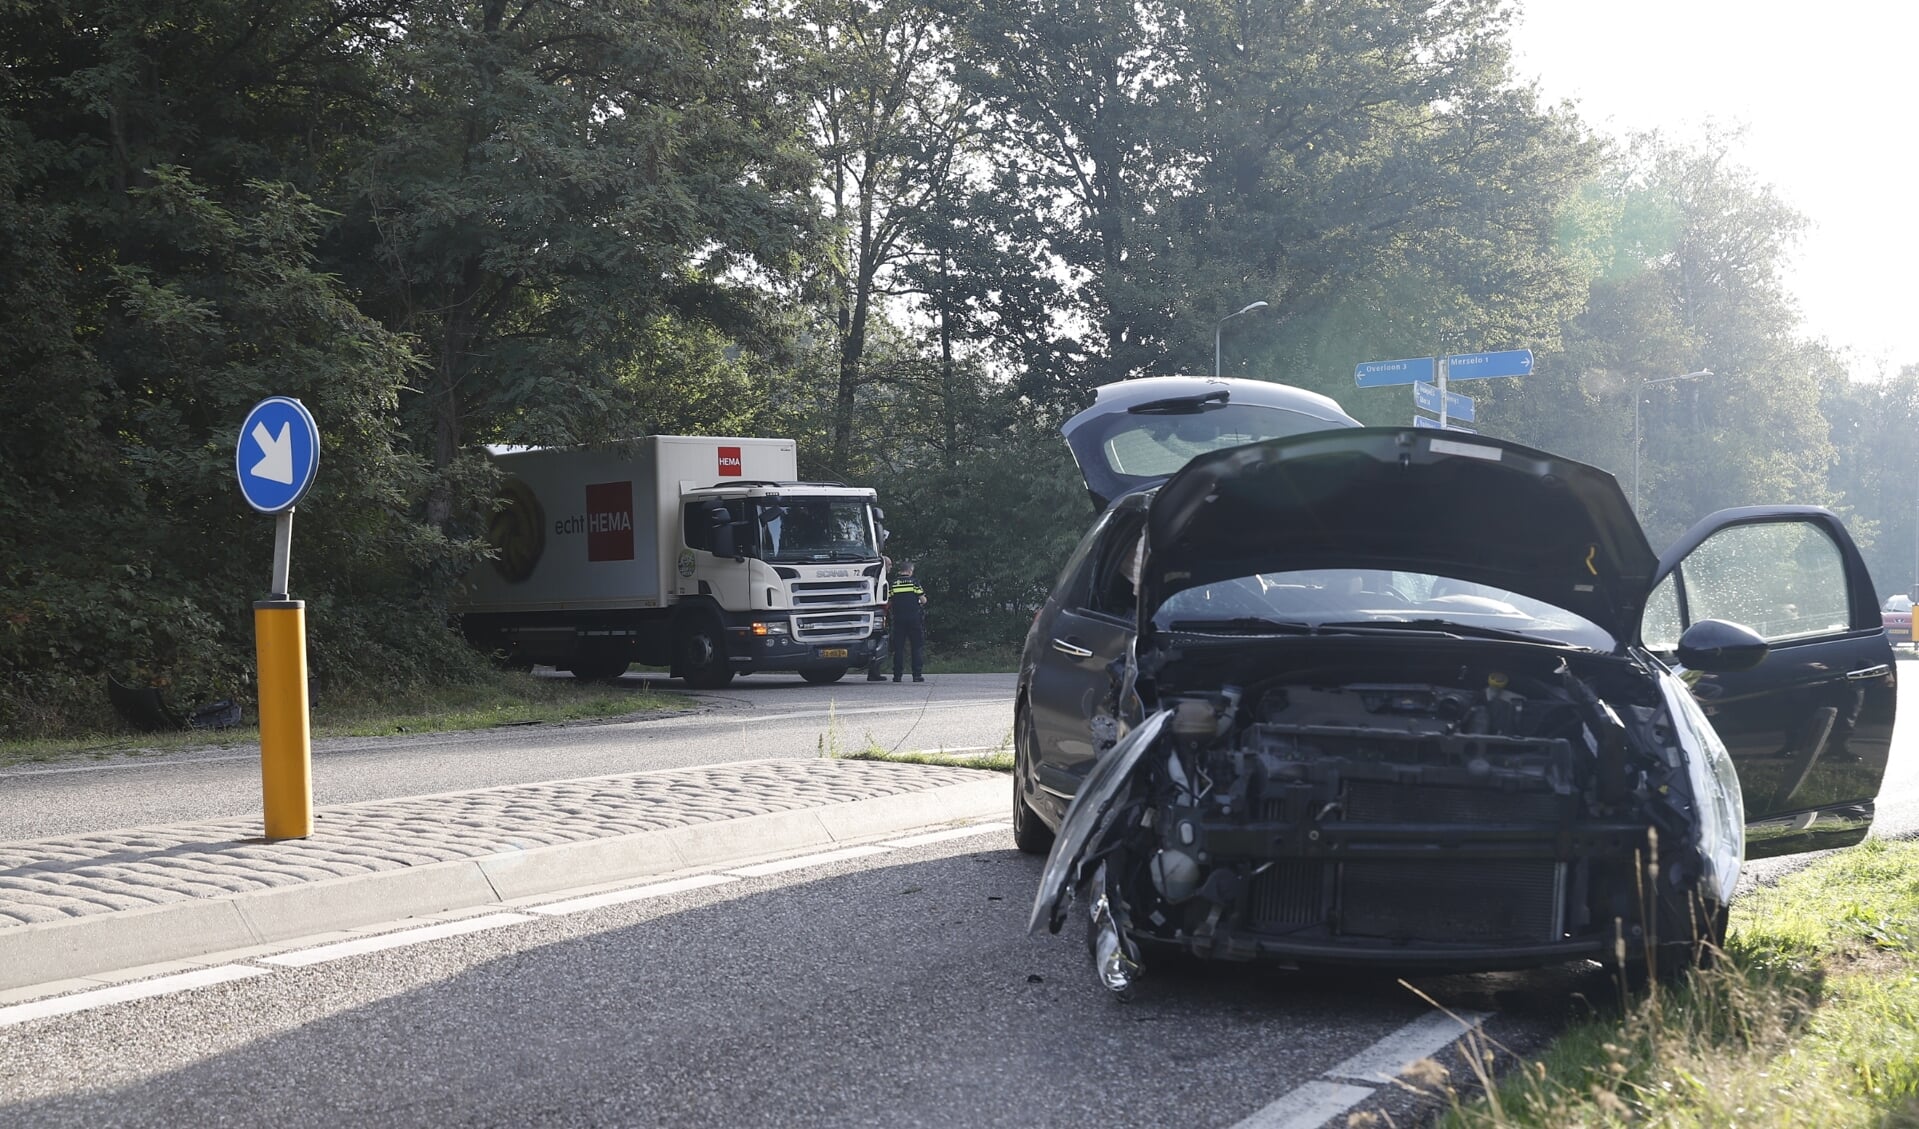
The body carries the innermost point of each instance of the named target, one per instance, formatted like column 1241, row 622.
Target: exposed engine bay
column 1452, row 803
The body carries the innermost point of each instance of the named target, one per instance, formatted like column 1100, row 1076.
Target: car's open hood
column 1138, row 432
column 1406, row 499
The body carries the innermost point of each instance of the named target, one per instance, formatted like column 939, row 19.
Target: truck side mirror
column 722, row 540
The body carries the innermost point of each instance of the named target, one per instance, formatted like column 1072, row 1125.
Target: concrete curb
column 84, row 946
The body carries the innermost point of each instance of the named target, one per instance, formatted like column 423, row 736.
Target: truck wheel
column 820, row 677
column 702, row 655
column 599, row 669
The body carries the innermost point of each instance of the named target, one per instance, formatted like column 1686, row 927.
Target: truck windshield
column 817, row 529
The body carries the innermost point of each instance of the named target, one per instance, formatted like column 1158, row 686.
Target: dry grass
column 1811, row 1019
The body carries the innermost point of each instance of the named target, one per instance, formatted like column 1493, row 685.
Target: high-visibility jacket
column 903, row 599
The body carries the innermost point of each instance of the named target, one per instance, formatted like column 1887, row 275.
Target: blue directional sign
column 1479, row 366
column 278, row 454
column 1380, row 374
column 1422, row 421
column 1426, row 399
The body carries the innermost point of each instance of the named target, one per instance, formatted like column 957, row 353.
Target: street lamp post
column 1637, row 394
column 1222, row 323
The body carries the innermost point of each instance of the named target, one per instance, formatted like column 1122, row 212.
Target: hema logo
column 609, row 521
column 730, row 462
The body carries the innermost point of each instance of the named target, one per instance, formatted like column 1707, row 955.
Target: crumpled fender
column 1085, row 816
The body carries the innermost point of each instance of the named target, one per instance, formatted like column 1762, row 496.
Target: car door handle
column 1068, row 647
column 1870, row 672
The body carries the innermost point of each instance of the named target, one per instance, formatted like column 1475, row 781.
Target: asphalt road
column 757, row 717
column 894, row 990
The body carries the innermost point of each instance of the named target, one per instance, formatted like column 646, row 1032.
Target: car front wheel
column 1030, row 834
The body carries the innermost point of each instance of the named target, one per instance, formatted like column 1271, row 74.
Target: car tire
column 1030, row 833
column 820, row 677
column 701, row 650
column 1675, row 960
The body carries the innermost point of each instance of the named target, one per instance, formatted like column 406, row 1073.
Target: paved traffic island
column 77, row 905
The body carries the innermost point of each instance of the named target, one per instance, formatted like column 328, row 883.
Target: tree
column 553, row 178
column 888, row 124
column 1685, row 251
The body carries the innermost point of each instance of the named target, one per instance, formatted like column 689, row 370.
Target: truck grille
column 855, row 592
column 833, row 627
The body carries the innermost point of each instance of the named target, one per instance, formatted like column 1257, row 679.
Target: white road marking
column 121, row 993
column 943, row 836
column 782, row 866
column 1308, row 1107
column 303, row 957
column 1314, row 1104
column 1422, row 1038
column 634, row 894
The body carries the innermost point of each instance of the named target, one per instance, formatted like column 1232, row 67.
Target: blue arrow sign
column 1422, row 421
column 1479, row 366
column 1380, row 374
column 1426, row 399
column 278, row 454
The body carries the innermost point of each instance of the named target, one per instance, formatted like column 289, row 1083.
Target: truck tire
column 599, row 669
column 701, row 650
column 821, row 676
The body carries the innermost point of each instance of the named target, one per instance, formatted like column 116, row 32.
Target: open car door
column 1810, row 727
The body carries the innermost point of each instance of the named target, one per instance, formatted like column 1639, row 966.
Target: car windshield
column 1369, row 598
column 817, row 529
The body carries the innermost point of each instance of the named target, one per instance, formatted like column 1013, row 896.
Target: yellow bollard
column 286, row 747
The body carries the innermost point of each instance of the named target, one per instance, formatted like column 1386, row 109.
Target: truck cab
column 794, row 569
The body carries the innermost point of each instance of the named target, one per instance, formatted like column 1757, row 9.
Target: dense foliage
column 914, row 234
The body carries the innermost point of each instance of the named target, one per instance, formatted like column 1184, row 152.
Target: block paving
column 73, row 876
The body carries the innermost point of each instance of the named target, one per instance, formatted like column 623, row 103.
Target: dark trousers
column 909, row 632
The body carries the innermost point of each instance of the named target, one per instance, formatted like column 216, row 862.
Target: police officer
column 905, row 604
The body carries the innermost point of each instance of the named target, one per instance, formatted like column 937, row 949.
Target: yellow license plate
column 832, row 652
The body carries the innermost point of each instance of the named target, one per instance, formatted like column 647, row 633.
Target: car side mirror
column 1721, row 647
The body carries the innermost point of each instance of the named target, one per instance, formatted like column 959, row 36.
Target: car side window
column 1114, row 587
column 1076, row 578
column 1783, row 579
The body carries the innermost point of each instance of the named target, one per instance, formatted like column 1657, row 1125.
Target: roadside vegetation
column 867, row 228
column 834, row 743
column 972, row 658
column 1811, row 1018
column 484, row 702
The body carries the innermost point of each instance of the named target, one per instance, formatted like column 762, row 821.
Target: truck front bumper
column 749, row 650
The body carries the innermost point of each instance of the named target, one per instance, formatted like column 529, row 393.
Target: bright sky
column 1827, row 93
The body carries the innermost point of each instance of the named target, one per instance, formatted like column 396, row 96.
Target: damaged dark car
column 1315, row 693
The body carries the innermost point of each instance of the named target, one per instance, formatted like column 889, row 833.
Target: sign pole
column 276, row 459
column 1442, row 393
column 286, row 737
column 282, row 553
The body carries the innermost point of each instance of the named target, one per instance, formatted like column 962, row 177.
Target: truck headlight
column 774, row 628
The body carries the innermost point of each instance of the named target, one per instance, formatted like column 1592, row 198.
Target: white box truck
column 696, row 553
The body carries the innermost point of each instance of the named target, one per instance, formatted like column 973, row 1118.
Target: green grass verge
column 1811, row 1019
column 502, row 699
column 994, row 761
column 969, row 658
